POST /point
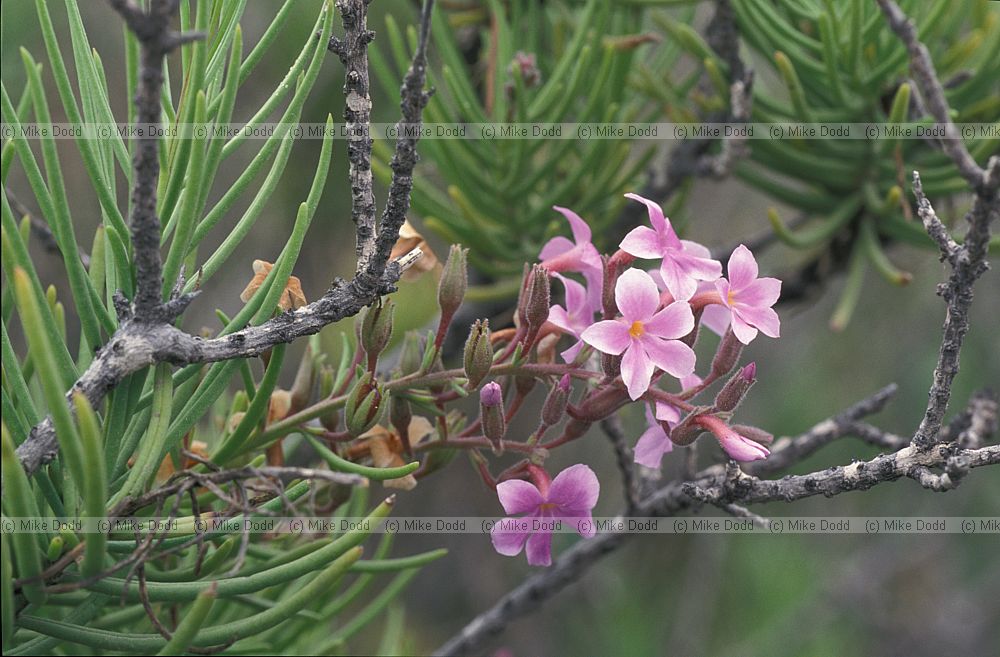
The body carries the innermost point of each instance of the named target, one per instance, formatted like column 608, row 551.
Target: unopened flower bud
column 727, row 354
column 537, row 299
column 687, row 430
column 524, row 384
column 331, row 419
column 400, row 415
column 555, row 404
column 611, row 365
column 305, row 379
column 735, row 389
column 376, row 329
column 575, row 428
column 755, row 434
column 411, row 354
column 478, row 358
column 451, row 289
column 492, row 414
column 364, row 405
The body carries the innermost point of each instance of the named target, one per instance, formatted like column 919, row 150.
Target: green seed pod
column 454, row 281
column 478, row 358
column 364, row 405
column 376, row 329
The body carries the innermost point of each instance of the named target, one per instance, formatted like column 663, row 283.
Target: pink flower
column 739, row 447
column 559, row 254
column 684, row 262
column 570, row 496
column 575, row 317
column 654, row 442
column 748, row 298
column 646, row 337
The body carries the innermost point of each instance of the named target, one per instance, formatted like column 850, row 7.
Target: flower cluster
column 644, row 325
column 655, row 316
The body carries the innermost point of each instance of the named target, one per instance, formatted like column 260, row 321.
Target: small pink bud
column 555, row 404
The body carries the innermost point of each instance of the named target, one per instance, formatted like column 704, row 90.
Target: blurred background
column 715, row 594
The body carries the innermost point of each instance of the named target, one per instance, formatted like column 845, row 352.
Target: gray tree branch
column 145, row 335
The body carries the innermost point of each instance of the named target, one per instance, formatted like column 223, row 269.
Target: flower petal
column 519, row 496
column 539, row 549
column 637, row 370
column 764, row 319
column 743, row 331
column 652, row 445
column 678, row 283
column 581, row 231
column 559, row 317
column 642, row 242
column 674, row 321
column 667, row 413
column 762, row 292
column 574, row 489
column 656, row 218
column 742, row 449
column 697, row 267
column 716, row 318
column 576, row 297
column 742, row 268
column 609, row 336
column 554, row 247
column 570, row 354
column 672, row 356
column 636, row 295
column 509, row 535
column 582, row 522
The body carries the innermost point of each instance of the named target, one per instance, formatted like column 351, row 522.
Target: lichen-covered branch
column 146, row 335
column 353, row 52
column 729, row 488
column 157, row 40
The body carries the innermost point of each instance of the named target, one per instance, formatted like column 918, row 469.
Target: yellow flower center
column 730, row 297
column 548, row 505
column 636, row 330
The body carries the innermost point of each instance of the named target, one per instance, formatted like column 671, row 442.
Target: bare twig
column 968, row 263
column 787, row 451
column 933, row 92
column 612, row 427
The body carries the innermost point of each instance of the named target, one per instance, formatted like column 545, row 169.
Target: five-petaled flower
column 748, row 298
column 647, row 338
column 683, row 264
column 569, row 497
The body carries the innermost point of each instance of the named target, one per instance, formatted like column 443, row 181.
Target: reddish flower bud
column 735, row 389
column 524, row 384
column 492, row 414
column 755, row 434
column 555, row 404
column 727, row 354
column 536, row 299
